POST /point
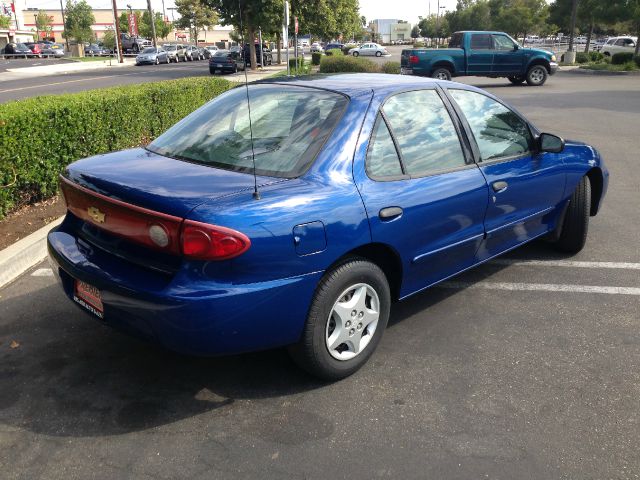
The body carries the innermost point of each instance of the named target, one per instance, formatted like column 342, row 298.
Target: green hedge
column 334, row 51
column 40, row 136
column 292, row 62
column 315, row 58
column 621, row 57
column 347, row 64
column 636, row 59
column 391, row 67
column 582, row 57
column 596, row 56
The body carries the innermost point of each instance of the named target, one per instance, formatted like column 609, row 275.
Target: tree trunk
column 252, row 46
column 589, row 35
column 524, row 38
column 572, row 28
column 638, row 39
column 278, row 35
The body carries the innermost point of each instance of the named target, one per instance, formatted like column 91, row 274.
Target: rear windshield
column 170, row 48
column 221, row 53
column 149, row 50
column 289, row 125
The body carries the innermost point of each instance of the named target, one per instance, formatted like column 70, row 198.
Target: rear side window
column 481, row 41
column 382, row 157
column 456, row 41
column 424, row 131
column 498, row 131
column 289, row 125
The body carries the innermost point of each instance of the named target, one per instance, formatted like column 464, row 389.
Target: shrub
column 334, row 51
column 582, row 57
column 347, row 64
column 621, row 58
column 73, row 126
column 292, row 63
column 347, row 47
column 636, row 59
column 596, row 56
column 628, row 66
column 391, row 67
column 315, row 58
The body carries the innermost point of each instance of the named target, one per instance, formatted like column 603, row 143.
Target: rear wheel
column 347, row 318
column 378, row 54
column 517, row 79
column 575, row 225
column 441, row 73
column 212, row 71
column 157, row 61
column 355, row 54
column 537, row 75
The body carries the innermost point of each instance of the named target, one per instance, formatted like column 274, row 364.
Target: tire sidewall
column 441, row 69
column 533, row 69
column 330, row 287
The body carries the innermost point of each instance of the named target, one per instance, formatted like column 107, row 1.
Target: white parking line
column 567, row 263
column 42, row 272
column 541, row 287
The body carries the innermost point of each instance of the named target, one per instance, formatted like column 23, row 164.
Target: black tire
column 235, row 69
column 378, row 54
column 537, row 75
column 311, row 352
column 212, row 71
column 441, row 73
column 355, row 54
column 575, row 225
column 517, row 80
column 157, row 61
column 136, row 48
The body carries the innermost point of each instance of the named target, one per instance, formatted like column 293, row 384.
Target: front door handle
column 499, row 186
column 390, row 213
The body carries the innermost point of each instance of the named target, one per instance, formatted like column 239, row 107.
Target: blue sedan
column 368, row 189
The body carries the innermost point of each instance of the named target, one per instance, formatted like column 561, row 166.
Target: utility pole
column 285, row 34
column 117, row 32
column 35, row 19
column 64, row 25
column 153, row 24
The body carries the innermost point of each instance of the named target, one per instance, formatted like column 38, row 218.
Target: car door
column 525, row 187
column 480, row 54
column 423, row 194
column 507, row 56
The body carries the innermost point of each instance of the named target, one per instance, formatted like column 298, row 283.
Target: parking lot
column 526, row 367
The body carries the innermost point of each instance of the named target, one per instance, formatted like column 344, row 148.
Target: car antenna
column 256, row 194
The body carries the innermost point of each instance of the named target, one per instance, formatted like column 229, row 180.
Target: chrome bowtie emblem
column 96, row 215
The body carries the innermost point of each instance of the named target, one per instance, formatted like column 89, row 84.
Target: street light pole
column 153, row 25
column 117, row 32
column 35, row 20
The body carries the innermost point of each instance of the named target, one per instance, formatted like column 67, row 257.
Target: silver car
column 370, row 49
column 152, row 55
column 175, row 52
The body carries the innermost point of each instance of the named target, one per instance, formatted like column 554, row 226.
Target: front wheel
column 441, row 73
column 347, row 318
column 516, row 80
column 355, row 54
column 157, row 61
column 537, row 75
column 575, row 225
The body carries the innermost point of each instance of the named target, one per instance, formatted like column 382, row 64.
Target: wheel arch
column 597, row 184
column 385, row 257
column 444, row 64
column 539, row 61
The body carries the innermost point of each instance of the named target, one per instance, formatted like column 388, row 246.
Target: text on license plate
column 89, row 297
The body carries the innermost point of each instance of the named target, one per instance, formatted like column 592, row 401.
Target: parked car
column 152, row 56
column 134, row 43
column 175, row 52
column 226, row 61
column 619, row 44
column 192, row 52
column 18, row 50
column 483, row 54
column 95, row 50
column 205, row 53
column 316, row 47
column 244, row 235
column 35, row 48
column 53, row 50
column 330, row 46
column 369, row 49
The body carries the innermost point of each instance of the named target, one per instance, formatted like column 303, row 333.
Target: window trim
column 386, row 178
column 466, row 153
column 476, row 149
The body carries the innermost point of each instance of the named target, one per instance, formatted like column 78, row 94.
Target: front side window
column 498, row 131
column 382, row 157
column 426, row 136
column 503, row 42
column 481, row 41
column 289, row 125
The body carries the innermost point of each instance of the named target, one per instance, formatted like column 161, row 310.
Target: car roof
column 359, row 83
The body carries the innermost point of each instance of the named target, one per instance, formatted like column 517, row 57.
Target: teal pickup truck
column 483, row 54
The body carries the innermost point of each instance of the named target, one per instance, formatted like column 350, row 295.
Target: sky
column 408, row 10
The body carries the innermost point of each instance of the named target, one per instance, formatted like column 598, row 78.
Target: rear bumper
column 185, row 312
column 553, row 68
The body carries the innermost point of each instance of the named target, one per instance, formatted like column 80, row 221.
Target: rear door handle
column 389, row 213
column 499, row 186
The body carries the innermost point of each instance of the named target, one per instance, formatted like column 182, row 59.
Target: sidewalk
column 69, row 67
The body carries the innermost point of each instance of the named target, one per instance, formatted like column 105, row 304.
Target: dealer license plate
column 89, row 297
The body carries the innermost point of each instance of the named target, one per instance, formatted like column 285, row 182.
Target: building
column 390, row 29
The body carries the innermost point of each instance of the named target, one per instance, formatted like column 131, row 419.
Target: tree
column 109, row 40
column 521, row 16
column 79, row 20
column 632, row 8
column 5, row 22
column 144, row 25
column 195, row 15
column 44, row 23
column 415, row 31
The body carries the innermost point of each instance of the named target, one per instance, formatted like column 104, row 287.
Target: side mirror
column 550, row 143
column 516, row 47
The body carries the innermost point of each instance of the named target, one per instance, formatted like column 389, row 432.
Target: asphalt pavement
column 483, row 377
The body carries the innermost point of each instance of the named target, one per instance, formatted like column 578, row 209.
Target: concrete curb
column 24, row 254
column 68, row 67
column 586, row 71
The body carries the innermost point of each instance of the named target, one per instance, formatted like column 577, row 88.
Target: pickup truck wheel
column 346, row 320
column 441, row 73
column 575, row 225
column 537, row 75
column 517, row 80
column 136, row 49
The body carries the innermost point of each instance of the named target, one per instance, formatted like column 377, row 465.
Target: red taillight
column 211, row 242
column 413, row 59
